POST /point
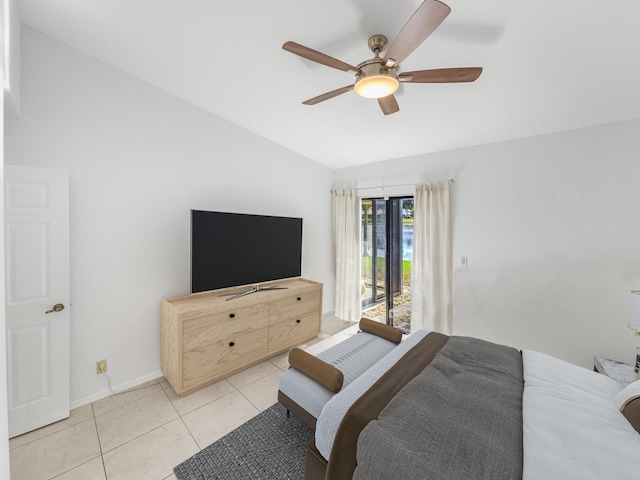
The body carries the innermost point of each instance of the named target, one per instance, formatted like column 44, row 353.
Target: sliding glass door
column 373, row 235
column 387, row 244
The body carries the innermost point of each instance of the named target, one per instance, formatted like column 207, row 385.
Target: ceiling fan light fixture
column 376, row 86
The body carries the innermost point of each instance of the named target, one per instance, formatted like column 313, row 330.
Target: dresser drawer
column 202, row 331
column 294, row 306
column 226, row 352
column 289, row 332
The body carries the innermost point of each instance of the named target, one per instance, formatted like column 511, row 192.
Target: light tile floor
column 141, row 434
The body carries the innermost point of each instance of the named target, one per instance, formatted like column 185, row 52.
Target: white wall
column 12, row 58
column 4, row 423
column 551, row 227
column 138, row 160
column 9, row 101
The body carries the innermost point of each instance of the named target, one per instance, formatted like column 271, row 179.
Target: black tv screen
column 231, row 249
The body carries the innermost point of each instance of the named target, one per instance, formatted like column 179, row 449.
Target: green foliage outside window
column 366, row 270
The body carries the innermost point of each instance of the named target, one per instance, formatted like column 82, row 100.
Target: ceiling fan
column 378, row 77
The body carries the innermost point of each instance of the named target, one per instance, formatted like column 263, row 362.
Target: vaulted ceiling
column 548, row 66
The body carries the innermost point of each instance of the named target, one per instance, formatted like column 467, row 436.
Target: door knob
column 58, row 307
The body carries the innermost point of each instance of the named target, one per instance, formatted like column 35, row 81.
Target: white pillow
column 627, row 394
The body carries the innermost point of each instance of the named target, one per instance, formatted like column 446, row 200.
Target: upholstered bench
column 313, row 380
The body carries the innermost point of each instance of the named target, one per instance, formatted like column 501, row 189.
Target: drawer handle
column 232, row 315
column 231, row 344
column 298, row 321
column 299, row 298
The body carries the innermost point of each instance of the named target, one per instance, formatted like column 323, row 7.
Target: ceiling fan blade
column 328, row 95
column 421, row 24
column 442, row 75
column 388, row 104
column 318, row 57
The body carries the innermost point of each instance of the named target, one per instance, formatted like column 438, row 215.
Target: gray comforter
column 460, row 419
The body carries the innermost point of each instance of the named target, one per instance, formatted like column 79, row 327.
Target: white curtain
column 431, row 266
column 346, row 245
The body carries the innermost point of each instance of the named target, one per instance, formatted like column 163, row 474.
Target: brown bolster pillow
column 321, row 372
column 380, row 329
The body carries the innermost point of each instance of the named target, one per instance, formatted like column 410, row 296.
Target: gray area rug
column 269, row 446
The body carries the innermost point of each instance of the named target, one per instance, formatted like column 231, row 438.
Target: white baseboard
column 116, row 388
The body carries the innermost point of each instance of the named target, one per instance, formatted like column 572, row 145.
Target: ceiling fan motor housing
column 376, row 80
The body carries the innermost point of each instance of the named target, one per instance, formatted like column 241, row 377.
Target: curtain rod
column 391, row 186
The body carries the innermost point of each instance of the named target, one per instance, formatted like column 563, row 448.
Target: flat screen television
column 232, row 249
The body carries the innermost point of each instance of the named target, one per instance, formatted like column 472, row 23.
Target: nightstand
column 623, row 373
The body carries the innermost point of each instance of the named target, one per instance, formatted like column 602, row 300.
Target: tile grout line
column 147, row 432
column 153, row 430
column 125, row 392
column 65, row 427
column 255, row 381
column 95, row 422
column 137, row 438
column 181, row 417
column 73, row 468
column 190, row 434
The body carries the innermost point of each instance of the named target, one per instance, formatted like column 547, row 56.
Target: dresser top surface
column 224, row 298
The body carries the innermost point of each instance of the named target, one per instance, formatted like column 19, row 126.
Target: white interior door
column 37, row 296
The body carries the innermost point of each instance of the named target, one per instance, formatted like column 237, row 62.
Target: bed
column 462, row 408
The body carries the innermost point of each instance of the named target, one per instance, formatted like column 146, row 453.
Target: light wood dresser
column 205, row 337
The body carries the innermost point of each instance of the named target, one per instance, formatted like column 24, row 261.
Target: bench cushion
column 352, row 357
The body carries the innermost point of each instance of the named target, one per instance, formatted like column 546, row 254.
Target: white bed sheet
column 572, row 429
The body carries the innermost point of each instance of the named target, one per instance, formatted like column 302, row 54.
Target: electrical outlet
column 101, row 367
